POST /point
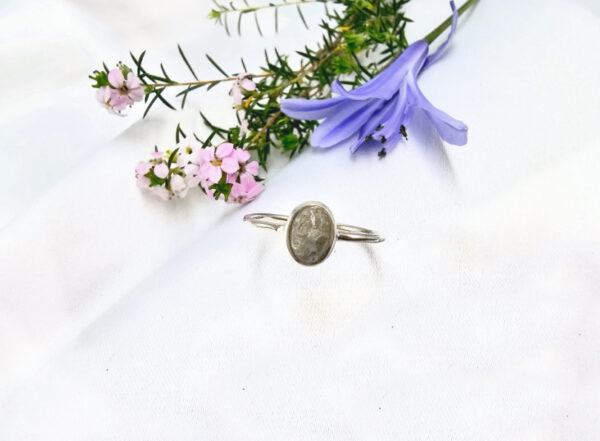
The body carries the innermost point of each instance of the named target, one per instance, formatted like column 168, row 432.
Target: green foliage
column 222, row 188
column 100, row 78
column 221, row 13
column 289, row 141
column 155, row 181
column 362, row 5
column 358, row 41
column 355, row 42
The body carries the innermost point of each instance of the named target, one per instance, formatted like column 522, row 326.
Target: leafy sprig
column 222, row 12
column 359, row 40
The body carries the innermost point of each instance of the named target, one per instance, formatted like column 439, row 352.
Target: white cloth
column 123, row 317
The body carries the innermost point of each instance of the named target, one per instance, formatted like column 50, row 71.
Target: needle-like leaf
column 187, row 63
column 214, row 63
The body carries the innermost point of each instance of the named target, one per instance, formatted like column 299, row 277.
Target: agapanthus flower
column 378, row 112
column 240, row 85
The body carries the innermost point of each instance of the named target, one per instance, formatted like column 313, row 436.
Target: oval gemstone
column 311, row 234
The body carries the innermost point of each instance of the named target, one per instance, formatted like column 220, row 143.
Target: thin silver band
column 344, row 232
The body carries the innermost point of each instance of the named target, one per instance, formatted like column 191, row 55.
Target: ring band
column 311, row 231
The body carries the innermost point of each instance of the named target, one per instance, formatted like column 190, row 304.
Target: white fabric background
column 125, row 318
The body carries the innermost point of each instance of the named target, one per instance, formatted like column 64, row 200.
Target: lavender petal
column 301, row 108
column 344, row 123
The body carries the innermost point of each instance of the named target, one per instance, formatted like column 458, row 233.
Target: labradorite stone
column 311, row 234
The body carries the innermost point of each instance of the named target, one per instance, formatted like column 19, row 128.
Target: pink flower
column 178, row 186
column 188, row 150
column 224, row 171
column 244, row 129
column 209, row 191
column 143, row 182
column 161, row 170
column 103, row 95
column 241, row 84
column 214, row 163
column 120, row 92
column 245, row 167
column 161, row 192
column 127, row 89
column 244, row 191
column 118, row 88
column 192, row 175
column 143, row 168
column 168, row 180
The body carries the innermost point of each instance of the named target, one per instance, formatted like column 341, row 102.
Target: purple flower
column 379, row 110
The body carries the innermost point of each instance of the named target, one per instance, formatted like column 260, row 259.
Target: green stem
column 429, row 38
column 272, row 5
column 205, row 82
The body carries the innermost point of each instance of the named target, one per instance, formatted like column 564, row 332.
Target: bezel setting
column 289, row 231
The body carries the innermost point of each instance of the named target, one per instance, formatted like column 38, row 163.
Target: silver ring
column 311, row 231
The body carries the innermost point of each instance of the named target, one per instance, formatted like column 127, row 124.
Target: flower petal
column 301, row 108
column 118, row 101
column 115, row 78
column 143, row 168
column 253, row 191
column 203, row 171
column 343, row 124
column 205, row 155
column 237, row 95
column 230, row 165
column 143, row 182
column 224, row 150
column 440, row 51
column 391, row 126
column 191, row 169
column 136, row 94
column 214, row 173
column 242, row 155
column 451, row 130
column 133, row 82
column 161, row 192
column 248, row 84
column 161, row 170
column 383, row 114
column 386, row 84
column 252, row 168
column 103, row 94
column 177, row 184
column 193, row 181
